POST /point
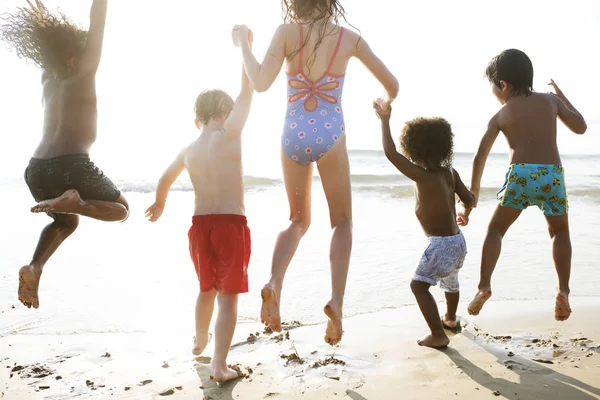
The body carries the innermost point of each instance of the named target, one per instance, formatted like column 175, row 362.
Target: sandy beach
column 514, row 350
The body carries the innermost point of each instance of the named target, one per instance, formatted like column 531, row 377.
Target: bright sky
column 158, row 58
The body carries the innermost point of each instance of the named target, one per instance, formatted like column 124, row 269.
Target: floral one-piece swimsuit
column 314, row 119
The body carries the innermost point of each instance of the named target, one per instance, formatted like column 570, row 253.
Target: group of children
column 219, row 238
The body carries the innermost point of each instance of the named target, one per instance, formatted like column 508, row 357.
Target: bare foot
column 63, row 204
column 200, row 342
column 450, row 323
column 334, row 332
column 221, row 375
column 269, row 312
column 480, row 298
column 29, row 281
column 562, row 309
column 436, row 342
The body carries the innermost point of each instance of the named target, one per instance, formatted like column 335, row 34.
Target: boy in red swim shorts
column 219, row 236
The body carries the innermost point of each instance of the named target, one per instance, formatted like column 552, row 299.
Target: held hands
column 239, row 33
column 154, row 212
column 462, row 218
column 383, row 109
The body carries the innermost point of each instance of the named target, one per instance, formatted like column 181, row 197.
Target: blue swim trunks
column 541, row 185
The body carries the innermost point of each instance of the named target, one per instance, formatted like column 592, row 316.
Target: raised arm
column 402, row 163
column 165, row 182
column 567, row 113
column 95, row 38
column 485, row 146
column 262, row 75
column 378, row 69
column 241, row 108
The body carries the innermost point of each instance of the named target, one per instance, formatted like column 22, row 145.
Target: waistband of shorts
column 228, row 218
column 535, row 166
column 434, row 239
column 66, row 159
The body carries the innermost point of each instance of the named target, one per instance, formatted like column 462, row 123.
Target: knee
column 342, row 224
column 302, row 223
column 68, row 223
column 227, row 301
column 418, row 287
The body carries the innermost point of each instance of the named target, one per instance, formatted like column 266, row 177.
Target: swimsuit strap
column 337, row 47
column 301, row 68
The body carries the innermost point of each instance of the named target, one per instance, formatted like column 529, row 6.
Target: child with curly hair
column 428, row 144
column 60, row 175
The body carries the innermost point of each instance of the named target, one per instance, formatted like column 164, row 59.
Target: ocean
column 138, row 277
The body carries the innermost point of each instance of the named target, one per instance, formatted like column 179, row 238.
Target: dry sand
column 514, row 350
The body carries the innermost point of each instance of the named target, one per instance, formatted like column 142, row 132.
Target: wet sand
column 512, row 350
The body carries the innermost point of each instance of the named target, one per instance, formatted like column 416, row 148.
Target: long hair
column 299, row 11
column 52, row 42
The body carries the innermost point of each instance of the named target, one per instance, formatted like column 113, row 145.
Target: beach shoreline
column 514, row 350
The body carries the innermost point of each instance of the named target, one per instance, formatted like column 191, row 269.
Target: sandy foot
column 436, row 342
column 200, row 342
column 63, row 204
column 562, row 309
column 333, row 332
column 480, row 298
column 29, row 281
column 221, row 375
column 450, row 323
column 269, row 312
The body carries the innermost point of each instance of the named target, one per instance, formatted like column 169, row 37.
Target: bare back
column 214, row 163
column 436, row 206
column 70, row 116
column 529, row 125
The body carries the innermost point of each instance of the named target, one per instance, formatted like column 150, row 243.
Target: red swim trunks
column 220, row 249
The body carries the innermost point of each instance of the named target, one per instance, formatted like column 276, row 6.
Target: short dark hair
column 428, row 142
column 513, row 67
column 212, row 104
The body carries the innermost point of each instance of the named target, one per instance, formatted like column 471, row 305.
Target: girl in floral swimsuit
column 316, row 50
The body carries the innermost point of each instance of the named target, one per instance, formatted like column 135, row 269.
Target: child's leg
column 205, row 304
column 298, row 181
column 225, row 327
column 452, row 299
column 502, row 219
column 438, row 338
column 334, row 169
column 50, row 239
column 558, row 227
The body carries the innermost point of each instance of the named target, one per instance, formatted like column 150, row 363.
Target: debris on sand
column 146, row 382
column 127, row 388
column 32, row 371
column 543, row 361
column 288, row 326
column 167, row 392
column 281, row 337
column 268, row 330
column 165, row 365
column 293, row 358
column 107, row 355
column 496, row 393
column 252, row 337
column 507, row 337
column 328, row 361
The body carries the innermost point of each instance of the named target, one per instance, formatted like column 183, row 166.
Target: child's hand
column 382, row 109
column 462, row 218
column 154, row 212
column 557, row 92
column 239, row 33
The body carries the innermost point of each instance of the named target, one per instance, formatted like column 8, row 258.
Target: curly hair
column 297, row 11
column 514, row 67
column 52, row 42
column 428, row 142
column 212, row 104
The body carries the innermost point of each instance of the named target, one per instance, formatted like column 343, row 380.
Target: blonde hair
column 212, row 104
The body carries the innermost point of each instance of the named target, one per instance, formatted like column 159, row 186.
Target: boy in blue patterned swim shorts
column 535, row 177
column 428, row 143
